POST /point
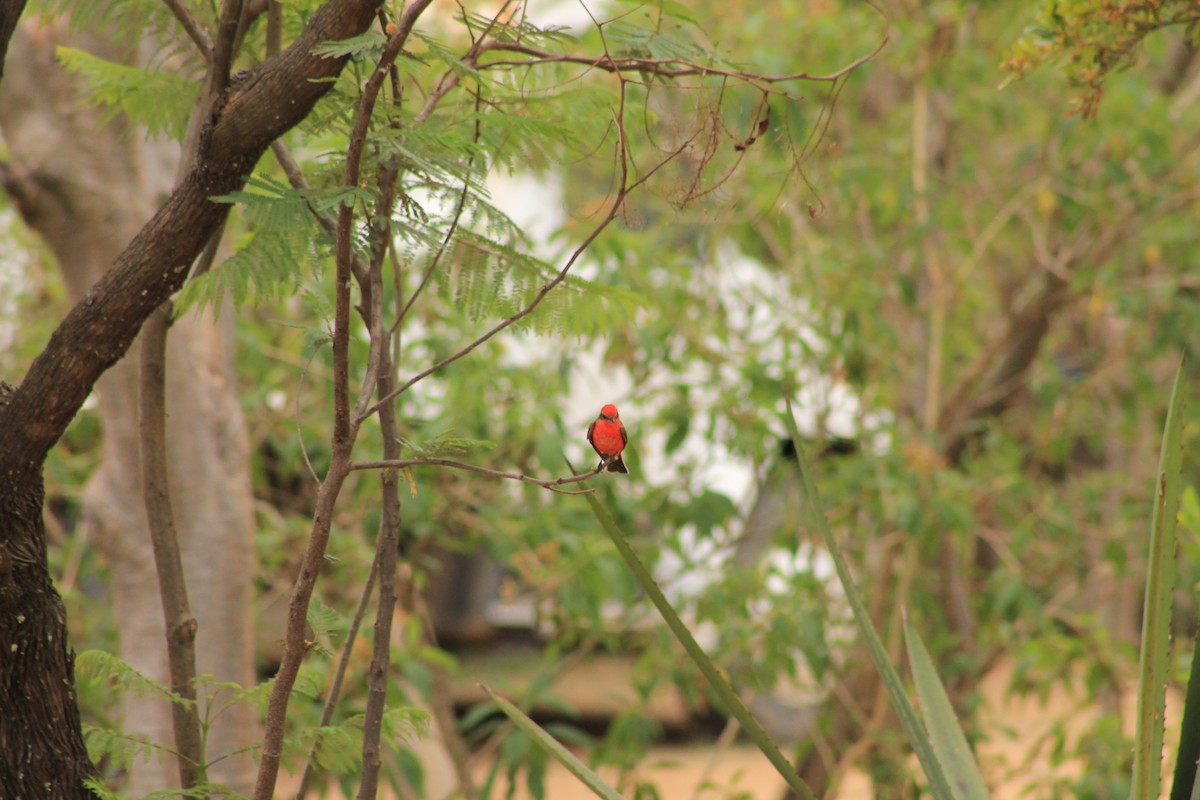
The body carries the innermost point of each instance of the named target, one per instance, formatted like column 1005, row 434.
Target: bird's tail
column 617, row 465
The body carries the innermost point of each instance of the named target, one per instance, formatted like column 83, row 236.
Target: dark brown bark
column 41, row 747
column 10, row 12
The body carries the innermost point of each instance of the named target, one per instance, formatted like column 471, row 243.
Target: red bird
column 607, row 435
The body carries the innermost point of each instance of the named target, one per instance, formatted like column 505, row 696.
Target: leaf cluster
column 1091, row 39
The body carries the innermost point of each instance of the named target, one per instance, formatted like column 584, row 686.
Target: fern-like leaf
column 99, row 665
column 367, row 46
column 489, row 279
column 119, row 747
column 270, row 263
column 444, row 444
column 157, row 99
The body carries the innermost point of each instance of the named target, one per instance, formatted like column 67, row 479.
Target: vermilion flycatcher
column 607, row 435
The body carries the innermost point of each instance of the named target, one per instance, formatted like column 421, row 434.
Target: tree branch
column 255, row 110
column 386, row 548
column 192, row 28
column 662, row 67
column 172, row 585
column 406, row 463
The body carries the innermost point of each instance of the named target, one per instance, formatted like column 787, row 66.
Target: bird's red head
column 609, row 411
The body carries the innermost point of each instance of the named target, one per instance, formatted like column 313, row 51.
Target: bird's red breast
column 608, row 437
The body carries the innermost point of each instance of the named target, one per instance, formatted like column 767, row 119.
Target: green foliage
column 444, row 444
column 809, row 267
column 1091, row 39
column 136, row 22
column 278, row 251
column 102, row 666
column 160, row 101
column 366, row 46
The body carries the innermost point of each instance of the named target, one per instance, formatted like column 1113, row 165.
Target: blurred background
column 974, row 289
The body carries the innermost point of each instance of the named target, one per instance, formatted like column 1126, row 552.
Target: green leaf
column 938, row 785
column 366, row 46
column 947, row 737
column 158, row 99
column 551, row 745
column 715, row 677
column 271, row 262
column 1185, row 785
column 1154, row 664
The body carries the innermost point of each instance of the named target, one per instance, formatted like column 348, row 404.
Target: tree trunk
column 41, row 747
column 62, row 141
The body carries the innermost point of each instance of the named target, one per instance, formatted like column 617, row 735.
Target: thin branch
column 192, row 27
column 295, row 647
column 339, row 676
column 661, row 67
column 295, row 175
column 552, row 485
column 386, row 550
column 172, row 585
column 274, row 27
column 223, row 49
column 372, row 290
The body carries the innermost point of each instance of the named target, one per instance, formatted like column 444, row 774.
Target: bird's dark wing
column 591, row 430
column 624, row 435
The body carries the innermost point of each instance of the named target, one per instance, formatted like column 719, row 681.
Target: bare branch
column 552, row 485
column 192, row 28
column 662, row 67
column 168, row 562
column 339, row 676
column 274, row 26
column 389, row 525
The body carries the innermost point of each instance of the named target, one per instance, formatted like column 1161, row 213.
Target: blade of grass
column 945, row 734
column 716, row 679
column 1184, row 786
column 560, row 753
column 1156, row 617
column 938, row 784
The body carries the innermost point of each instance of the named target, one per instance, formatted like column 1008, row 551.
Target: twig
column 662, row 67
column 223, row 50
column 406, row 463
column 274, row 27
column 192, row 27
